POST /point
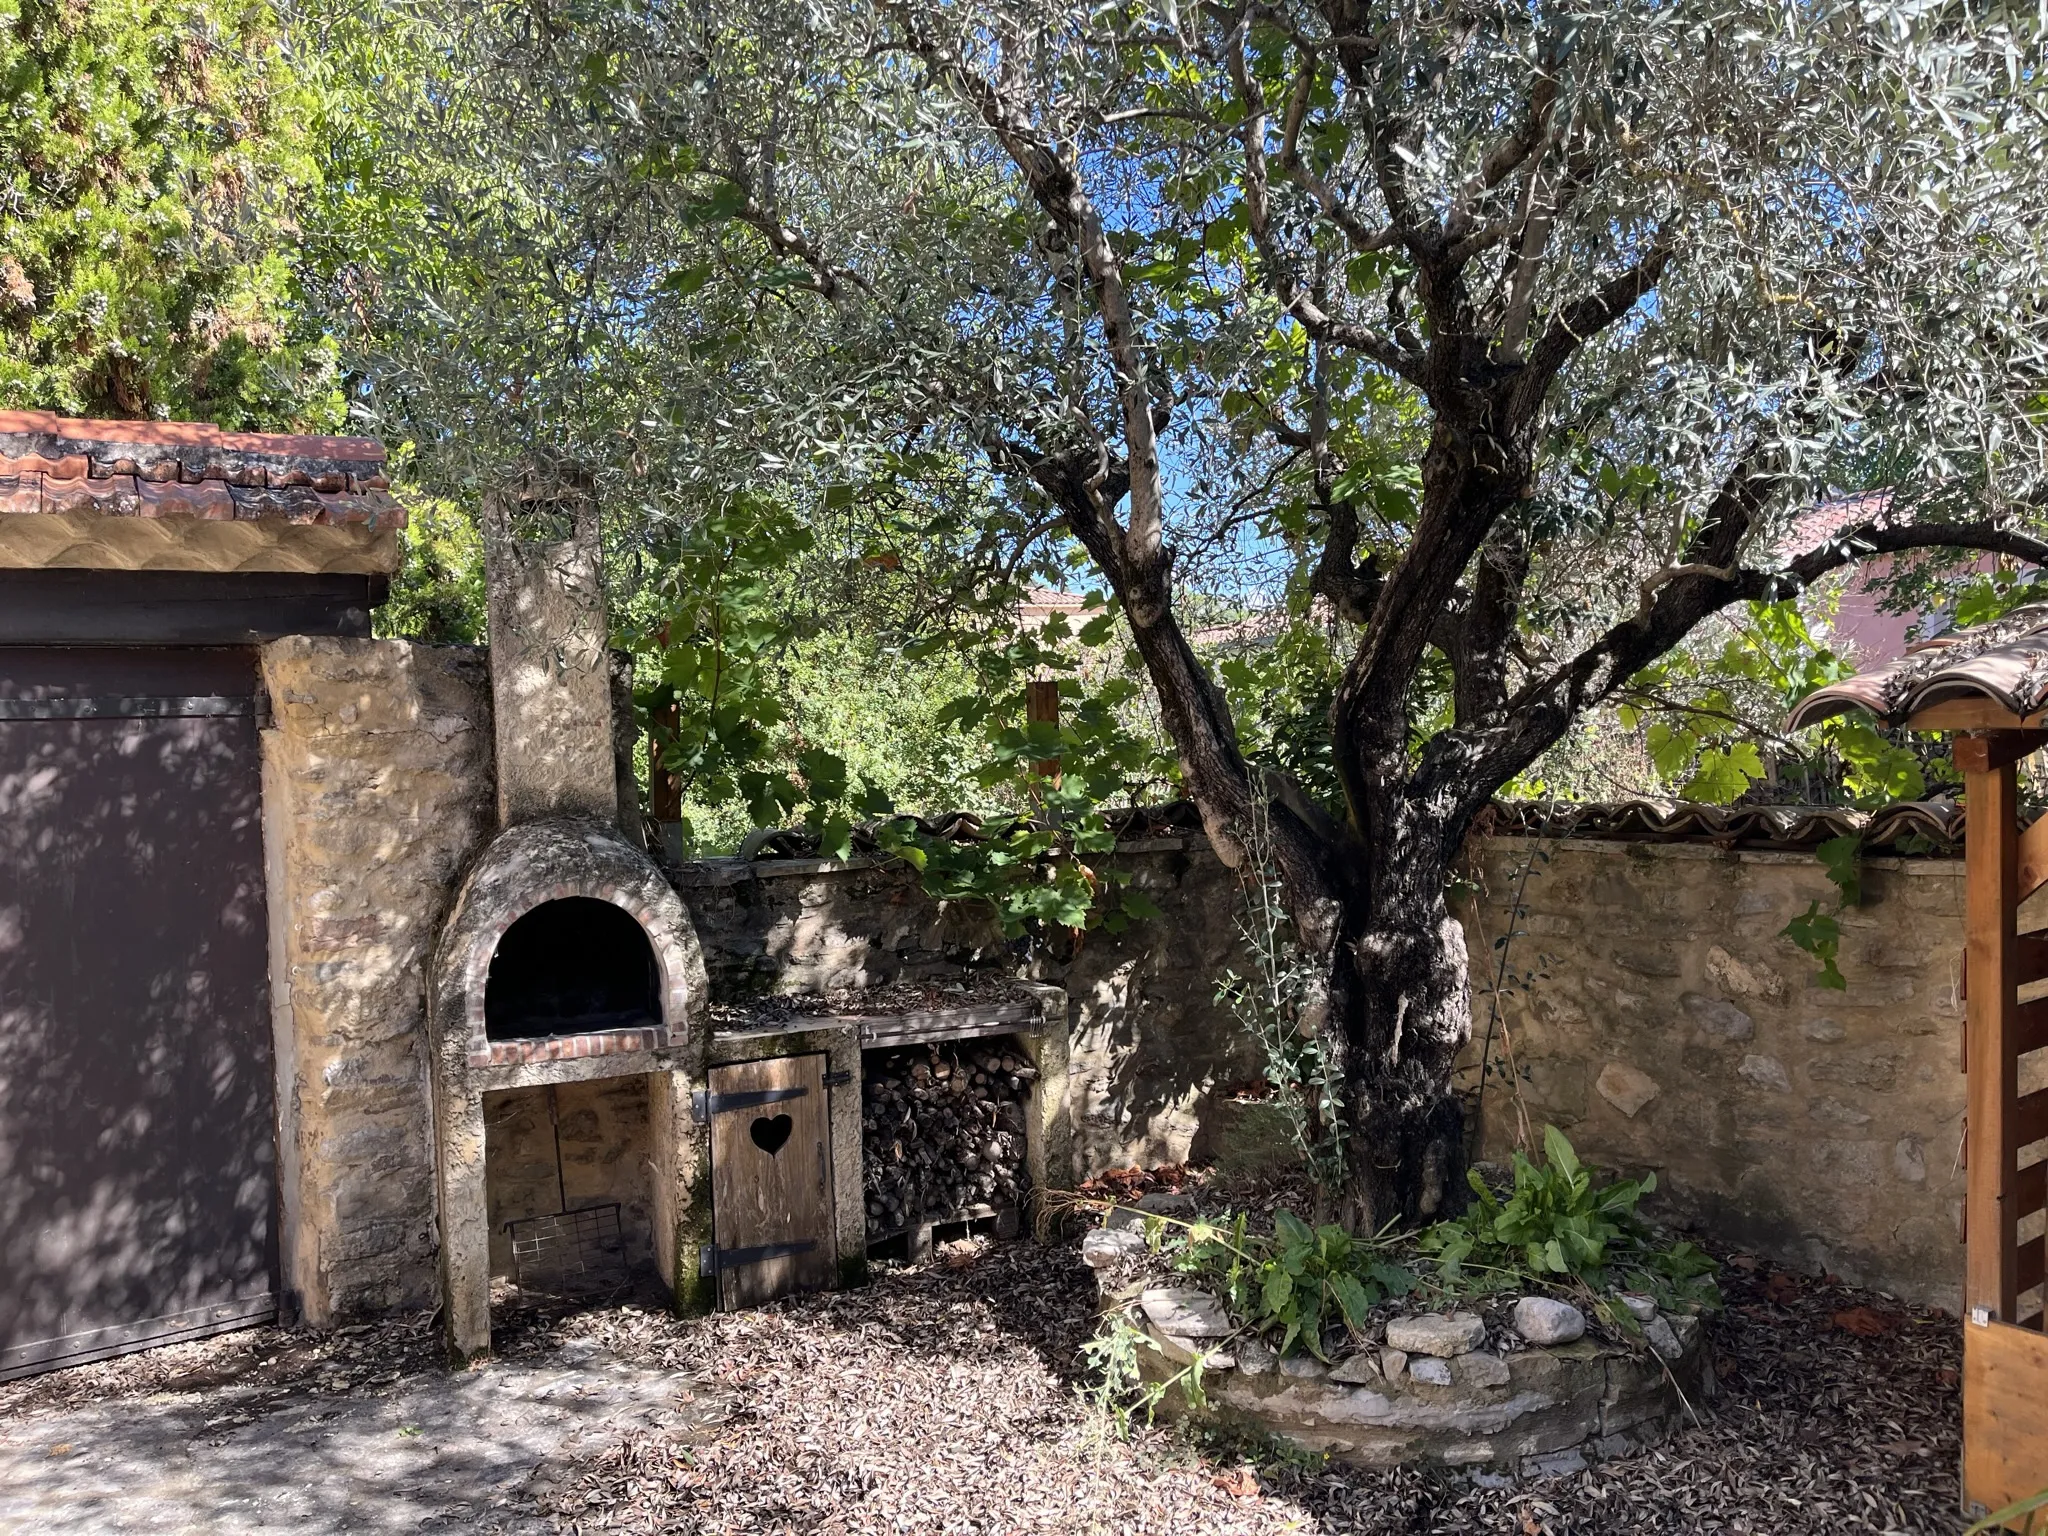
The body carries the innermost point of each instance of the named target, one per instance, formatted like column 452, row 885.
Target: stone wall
column 1654, row 1014
column 377, row 793
column 1153, row 1056
column 1652, row 1010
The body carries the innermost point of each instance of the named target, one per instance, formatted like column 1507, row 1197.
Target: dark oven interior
column 573, row 966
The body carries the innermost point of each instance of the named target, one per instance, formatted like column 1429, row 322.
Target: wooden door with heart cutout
column 771, row 1179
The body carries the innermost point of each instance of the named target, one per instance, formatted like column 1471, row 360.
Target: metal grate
column 573, row 1253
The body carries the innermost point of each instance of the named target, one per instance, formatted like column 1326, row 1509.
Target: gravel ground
column 943, row 1400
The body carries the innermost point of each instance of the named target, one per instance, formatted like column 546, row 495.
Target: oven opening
column 571, row 967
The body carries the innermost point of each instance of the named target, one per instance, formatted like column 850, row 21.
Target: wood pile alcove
column 790, row 1202
column 1989, row 685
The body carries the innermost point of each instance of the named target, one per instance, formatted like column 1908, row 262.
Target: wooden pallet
column 921, row 1237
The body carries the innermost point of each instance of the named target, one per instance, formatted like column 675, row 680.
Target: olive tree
column 1506, row 340
column 1647, row 279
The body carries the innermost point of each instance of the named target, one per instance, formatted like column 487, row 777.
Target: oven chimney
column 551, row 671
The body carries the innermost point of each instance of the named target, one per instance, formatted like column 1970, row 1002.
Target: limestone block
column 1545, row 1320
column 1356, row 1370
column 1436, row 1333
column 1185, row 1311
column 1741, row 979
column 1479, row 1368
column 1765, row 1072
column 1627, row 1088
column 1717, row 1020
column 1101, row 1248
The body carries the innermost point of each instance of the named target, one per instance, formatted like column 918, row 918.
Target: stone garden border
column 1532, row 1411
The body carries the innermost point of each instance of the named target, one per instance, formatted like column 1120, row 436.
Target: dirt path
column 936, row 1401
column 330, row 1449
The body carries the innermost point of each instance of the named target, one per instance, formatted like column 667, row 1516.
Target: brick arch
column 527, row 867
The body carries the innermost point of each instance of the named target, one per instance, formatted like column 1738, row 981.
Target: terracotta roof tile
column 170, row 498
column 114, row 496
column 52, row 463
column 1906, row 825
column 72, row 466
column 2005, row 662
column 20, row 493
column 79, row 429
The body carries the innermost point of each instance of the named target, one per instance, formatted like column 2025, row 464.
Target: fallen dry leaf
column 1781, row 1287
column 1241, row 1484
column 1867, row 1322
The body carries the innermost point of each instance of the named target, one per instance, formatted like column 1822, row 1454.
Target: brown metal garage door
column 137, row 1179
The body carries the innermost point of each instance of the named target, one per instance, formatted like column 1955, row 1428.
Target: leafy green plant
column 1300, row 1281
column 1115, row 1369
column 713, row 703
column 1819, row 933
column 1711, row 713
column 1558, row 1224
column 1050, row 864
column 1271, row 1006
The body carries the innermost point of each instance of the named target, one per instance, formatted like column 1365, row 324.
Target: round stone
column 1545, row 1320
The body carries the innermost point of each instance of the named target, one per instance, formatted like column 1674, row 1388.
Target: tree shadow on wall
column 136, row 1086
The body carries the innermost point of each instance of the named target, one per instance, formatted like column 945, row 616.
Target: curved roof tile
column 58, row 464
column 2005, row 662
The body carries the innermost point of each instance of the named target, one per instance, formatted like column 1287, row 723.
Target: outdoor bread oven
column 568, row 986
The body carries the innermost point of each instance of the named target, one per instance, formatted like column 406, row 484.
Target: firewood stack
column 942, row 1130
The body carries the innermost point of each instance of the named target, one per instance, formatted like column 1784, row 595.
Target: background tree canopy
column 158, row 156
column 1429, row 398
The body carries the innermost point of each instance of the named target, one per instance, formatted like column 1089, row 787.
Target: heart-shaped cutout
column 771, row 1134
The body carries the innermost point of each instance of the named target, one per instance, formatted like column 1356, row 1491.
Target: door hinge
column 704, row 1105
column 838, row 1079
column 714, row 1260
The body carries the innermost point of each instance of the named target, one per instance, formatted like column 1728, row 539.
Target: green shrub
column 1557, row 1225
column 1300, row 1280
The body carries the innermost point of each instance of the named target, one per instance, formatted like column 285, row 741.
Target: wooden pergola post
column 1991, row 963
column 1989, row 685
column 2005, row 1354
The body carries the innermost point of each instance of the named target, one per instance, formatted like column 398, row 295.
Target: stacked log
column 942, row 1130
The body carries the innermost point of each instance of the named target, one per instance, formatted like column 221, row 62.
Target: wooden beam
column 2005, row 1415
column 2033, row 947
column 1991, row 899
column 1969, row 715
column 2034, row 858
column 1042, row 707
column 2030, row 1028
column 2030, row 1119
column 78, row 607
column 1985, row 751
column 2033, row 961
